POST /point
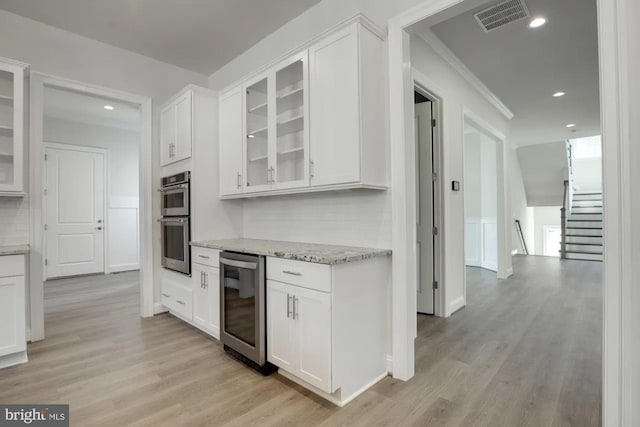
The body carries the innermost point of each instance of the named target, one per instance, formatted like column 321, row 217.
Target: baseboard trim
column 159, row 308
column 389, row 365
column 456, row 305
column 13, row 359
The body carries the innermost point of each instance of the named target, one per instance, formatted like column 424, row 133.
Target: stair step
column 583, row 210
column 584, row 240
column 584, row 248
column 584, row 231
column 584, row 257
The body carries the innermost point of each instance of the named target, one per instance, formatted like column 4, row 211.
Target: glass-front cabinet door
column 11, row 128
column 258, row 174
column 276, row 151
column 291, row 129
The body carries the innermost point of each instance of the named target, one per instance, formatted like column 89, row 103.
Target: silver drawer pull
column 204, row 256
column 166, row 295
column 180, row 302
column 293, row 273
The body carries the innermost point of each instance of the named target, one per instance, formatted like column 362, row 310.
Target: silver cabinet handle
column 270, row 174
column 166, row 295
column 239, row 180
column 239, row 264
column 182, row 302
column 201, row 279
column 288, row 306
column 206, row 280
column 293, row 273
column 204, row 256
column 295, row 303
column 312, row 168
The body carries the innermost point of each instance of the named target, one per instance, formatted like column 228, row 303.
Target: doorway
column 68, row 116
column 427, row 248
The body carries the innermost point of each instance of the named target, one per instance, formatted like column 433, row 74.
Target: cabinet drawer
column 11, row 265
column 178, row 299
column 204, row 256
column 306, row 274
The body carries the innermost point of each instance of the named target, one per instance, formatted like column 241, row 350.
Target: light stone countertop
column 14, row 250
column 309, row 252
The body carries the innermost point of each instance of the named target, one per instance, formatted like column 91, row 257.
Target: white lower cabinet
column 327, row 324
column 206, row 298
column 196, row 299
column 299, row 332
column 13, row 339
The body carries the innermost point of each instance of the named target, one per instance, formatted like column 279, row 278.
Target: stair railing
column 524, row 244
column 563, row 220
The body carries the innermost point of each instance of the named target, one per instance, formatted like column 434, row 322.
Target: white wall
column 587, row 175
column 64, row 54
column 519, row 207
column 544, row 216
column 544, row 168
column 457, row 95
column 123, row 146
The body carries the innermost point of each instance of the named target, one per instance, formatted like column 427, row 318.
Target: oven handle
column 239, row 264
column 173, row 187
column 180, row 220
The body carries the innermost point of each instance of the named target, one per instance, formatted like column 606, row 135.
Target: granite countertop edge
column 14, row 250
column 341, row 255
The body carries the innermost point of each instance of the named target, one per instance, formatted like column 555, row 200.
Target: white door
column 552, row 239
column 75, row 207
column 424, row 187
column 334, row 109
column 231, row 142
column 12, row 319
column 312, row 314
column 280, row 326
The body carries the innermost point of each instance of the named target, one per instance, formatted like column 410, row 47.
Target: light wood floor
column 524, row 352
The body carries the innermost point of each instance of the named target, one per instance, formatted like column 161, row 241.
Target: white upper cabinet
column 312, row 122
column 231, row 142
column 12, row 105
column 176, row 128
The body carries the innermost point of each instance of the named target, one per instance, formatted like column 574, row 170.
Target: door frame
column 618, row 327
column 38, row 81
column 105, row 221
column 505, row 268
column 427, row 88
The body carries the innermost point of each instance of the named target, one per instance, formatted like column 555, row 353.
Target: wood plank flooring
column 524, row 352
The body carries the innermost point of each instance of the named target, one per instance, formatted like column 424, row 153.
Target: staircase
column 582, row 227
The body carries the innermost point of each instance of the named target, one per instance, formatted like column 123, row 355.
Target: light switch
column 455, row 185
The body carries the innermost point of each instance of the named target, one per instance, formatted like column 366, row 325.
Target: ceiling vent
column 501, row 14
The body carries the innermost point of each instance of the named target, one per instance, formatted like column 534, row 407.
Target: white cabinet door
column 259, row 122
column 334, row 109
column 281, row 329
column 184, row 128
column 312, row 313
column 206, row 298
column 231, row 142
column 167, row 134
column 11, row 128
column 12, row 315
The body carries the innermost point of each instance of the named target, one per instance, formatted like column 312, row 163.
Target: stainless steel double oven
column 176, row 222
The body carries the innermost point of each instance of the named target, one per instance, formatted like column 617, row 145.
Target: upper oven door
column 175, row 200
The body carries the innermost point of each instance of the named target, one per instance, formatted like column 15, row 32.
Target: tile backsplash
column 14, row 220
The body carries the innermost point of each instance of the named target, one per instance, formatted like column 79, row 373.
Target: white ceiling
column 199, row 35
column 82, row 108
column 524, row 66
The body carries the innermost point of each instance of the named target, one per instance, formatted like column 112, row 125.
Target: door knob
column 99, row 221
column 98, row 228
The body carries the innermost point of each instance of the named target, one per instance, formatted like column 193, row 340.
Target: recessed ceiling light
column 109, row 107
column 570, row 125
column 251, row 136
column 537, row 22
column 558, row 94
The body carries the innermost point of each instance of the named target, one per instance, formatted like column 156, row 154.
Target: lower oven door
column 242, row 305
column 176, row 252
